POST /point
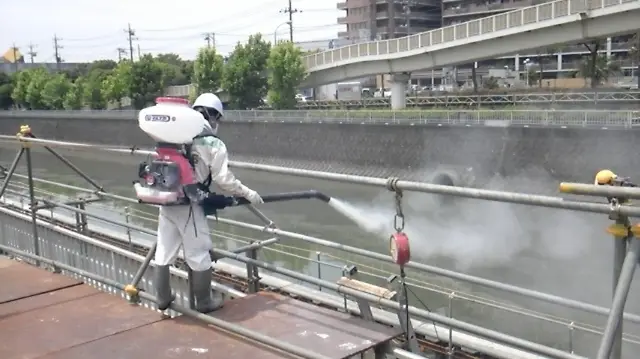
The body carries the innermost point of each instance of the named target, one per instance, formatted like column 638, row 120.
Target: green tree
column 6, row 89
column 599, row 69
column 245, row 74
column 116, row 85
column 55, row 90
column 286, row 72
column 38, row 80
column 106, row 65
column 74, row 73
column 543, row 54
column 92, row 95
column 491, row 83
column 174, row 69
column 19, row 93
column 207, row 71
column 145, row 83
column 74, row 99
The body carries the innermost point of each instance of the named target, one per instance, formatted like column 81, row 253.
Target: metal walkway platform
column 48, row 315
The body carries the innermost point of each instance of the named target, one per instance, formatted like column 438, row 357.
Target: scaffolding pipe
column 231, row 327
column 456, row 324
column 614, row 322
column 529, row 293
column 600, row 191
column 434, row 317
column 489, row 195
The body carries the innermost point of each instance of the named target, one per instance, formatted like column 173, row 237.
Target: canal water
column 559, row 252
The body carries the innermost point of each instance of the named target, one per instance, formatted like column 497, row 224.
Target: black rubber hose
column 287, row 196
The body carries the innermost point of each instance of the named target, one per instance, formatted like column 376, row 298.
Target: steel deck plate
column 181, row 337
column 64, row 325
column 45, row 300
column 21, row 280
column 325, row 331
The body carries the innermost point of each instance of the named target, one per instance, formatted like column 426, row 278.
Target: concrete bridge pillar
column 398, row 88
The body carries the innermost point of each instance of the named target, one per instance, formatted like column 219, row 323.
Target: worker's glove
column 253, row 196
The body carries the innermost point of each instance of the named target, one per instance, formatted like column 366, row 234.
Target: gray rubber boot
column 206, row 301
column 163, row 287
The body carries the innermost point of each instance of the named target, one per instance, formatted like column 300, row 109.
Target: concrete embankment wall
column 382, row 150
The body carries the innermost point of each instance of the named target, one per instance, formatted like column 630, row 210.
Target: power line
column 32, row 54
column 224, row 34
column 243, row 13
column 131, row 35
column 290, row 10
column 56, row 48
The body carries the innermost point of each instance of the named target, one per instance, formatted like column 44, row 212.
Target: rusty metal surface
column 181, row 337
column 37, row 332
column 327, row 332
column 45, row 300
column 20, row 280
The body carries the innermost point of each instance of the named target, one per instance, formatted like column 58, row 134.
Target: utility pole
column 121, row 51
column 210, row 37
column 131, row 36
column 32, row 53
column 290, row 10
column 15, row 56
column 139, row 52
column 56, row 48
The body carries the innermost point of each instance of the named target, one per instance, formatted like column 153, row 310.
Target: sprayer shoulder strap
column 189, row 155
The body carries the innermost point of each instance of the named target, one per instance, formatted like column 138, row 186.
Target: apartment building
column 388, row 19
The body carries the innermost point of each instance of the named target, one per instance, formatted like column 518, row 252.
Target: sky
column 92, row 30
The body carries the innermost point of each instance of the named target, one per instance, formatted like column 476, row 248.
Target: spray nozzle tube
column 286, row 196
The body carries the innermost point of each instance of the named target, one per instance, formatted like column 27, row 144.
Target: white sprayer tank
column 171, row 120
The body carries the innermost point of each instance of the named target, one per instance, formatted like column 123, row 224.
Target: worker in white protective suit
column 187, row 225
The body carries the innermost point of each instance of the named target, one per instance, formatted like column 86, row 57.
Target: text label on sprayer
column 157, row 118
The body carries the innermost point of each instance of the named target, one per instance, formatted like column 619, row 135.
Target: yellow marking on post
column 566, row 187
column 635, row 229
column 618, row 230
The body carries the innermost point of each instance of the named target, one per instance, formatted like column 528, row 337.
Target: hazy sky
column 91, row 30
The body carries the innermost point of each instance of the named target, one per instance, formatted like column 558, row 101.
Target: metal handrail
column 439, row 117
column 547, row 201
column 412, row 282
column 288, row 287
column 626, row 254
column 437, row 318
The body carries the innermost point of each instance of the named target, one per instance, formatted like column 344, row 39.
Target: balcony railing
column 484, row 8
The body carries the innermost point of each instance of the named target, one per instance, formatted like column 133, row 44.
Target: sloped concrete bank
column 381, row 150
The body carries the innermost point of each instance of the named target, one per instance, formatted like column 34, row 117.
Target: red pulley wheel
column 399, row 248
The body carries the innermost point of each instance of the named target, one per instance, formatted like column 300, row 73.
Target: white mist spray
column 474, row 233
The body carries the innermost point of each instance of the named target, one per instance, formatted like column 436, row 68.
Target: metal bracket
column 253, row 277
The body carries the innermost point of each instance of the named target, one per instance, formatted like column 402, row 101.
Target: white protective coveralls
column 176, row 223
column 187, row 225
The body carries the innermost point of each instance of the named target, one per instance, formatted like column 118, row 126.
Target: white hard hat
column 209, row 101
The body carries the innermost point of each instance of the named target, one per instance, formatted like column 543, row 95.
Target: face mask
column 214, row 126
